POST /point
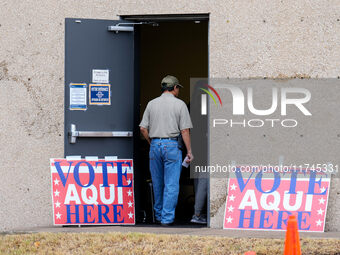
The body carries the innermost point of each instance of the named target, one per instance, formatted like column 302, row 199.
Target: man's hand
column 145, row 133
column 186, row 138
column 190, row 157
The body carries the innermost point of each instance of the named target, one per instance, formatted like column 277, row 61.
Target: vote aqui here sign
column 92, row 192
column 257, row 203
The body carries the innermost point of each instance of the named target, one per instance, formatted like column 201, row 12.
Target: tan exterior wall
column 247, row 39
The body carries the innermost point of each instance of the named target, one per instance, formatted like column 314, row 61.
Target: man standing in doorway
column 164, row 119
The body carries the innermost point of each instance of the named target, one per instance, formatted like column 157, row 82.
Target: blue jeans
column 165, row 167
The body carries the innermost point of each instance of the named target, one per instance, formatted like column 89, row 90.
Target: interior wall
column 179, row 49
column 175, row 48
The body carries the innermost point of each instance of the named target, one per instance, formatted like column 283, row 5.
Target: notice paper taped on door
column 99, row 94
column 100, row 76
column 78, row 96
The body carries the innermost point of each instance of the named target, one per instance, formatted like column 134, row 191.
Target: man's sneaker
column 198, row 219
column 167, row 224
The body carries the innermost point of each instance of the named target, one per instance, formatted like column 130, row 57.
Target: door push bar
column 73, row 134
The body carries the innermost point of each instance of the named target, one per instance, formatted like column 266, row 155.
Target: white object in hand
column 185, row 163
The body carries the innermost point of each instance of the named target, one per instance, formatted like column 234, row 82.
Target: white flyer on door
column 100, row 76
column 78, row 96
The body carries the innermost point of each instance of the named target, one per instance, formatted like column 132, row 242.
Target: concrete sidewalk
column 180, row 230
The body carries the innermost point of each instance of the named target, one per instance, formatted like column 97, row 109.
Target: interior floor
column 179, row 49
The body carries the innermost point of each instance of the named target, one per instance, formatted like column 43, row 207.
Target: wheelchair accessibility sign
column 99, row 94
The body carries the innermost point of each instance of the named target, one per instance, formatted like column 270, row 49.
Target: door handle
column 73, row 134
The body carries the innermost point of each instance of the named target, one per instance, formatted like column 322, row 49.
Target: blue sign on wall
column 99, row 94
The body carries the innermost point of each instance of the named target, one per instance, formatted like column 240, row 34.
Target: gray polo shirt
column 166, row 116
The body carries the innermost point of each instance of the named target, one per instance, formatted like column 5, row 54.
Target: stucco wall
column 247, row 39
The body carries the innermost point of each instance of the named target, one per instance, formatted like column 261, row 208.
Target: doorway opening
column 176, row 45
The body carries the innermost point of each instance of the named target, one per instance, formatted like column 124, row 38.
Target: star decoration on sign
column 58, row 215
column 57, row 204
column 128, row 181
column 56, row 181
column 230, row 208
column 321, row 200
column 233, row 187
column 130, row 204
column 129, row 193
column 56, row 193
column 318, row 223
column 130, row 215
column 320, row 211
column 232, row 198
column 322, row 189
column 229, row 219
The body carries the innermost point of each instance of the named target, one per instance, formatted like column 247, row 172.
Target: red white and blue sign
column 98, row 192
column 99, row 94
column 257, row 203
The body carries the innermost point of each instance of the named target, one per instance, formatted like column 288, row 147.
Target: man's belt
column 165, row 138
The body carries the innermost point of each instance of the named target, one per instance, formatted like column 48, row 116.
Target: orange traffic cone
column 292, row 243
column 250, row 253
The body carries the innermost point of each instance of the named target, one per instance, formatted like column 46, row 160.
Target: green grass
column 139, row 243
